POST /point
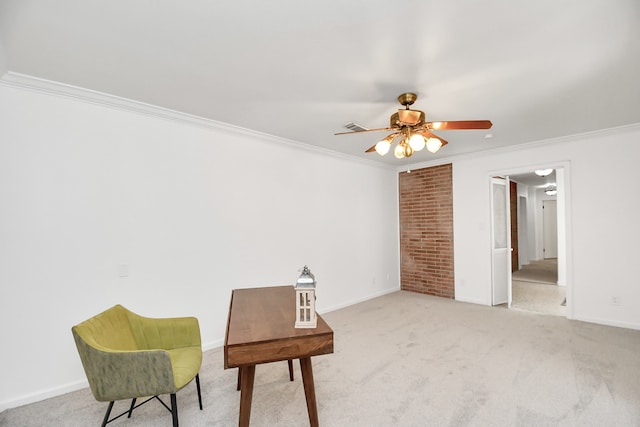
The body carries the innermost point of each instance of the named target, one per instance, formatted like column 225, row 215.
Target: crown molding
column 49, row 87
column 513, row 148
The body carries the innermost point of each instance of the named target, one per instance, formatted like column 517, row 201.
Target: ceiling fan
column 413, row 132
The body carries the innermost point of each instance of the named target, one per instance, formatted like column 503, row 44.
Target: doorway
column 540, row 272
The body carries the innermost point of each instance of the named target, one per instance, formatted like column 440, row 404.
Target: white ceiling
column 533, row 180
column 301, row 70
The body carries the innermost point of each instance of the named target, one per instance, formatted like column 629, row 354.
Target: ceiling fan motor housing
column 407, row 118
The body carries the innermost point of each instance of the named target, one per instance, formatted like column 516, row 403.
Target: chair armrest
column 115, row 375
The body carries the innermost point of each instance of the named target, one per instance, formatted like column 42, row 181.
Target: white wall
column 193, row 212
column 602, row 236
column 3, row 60
column 534, row 231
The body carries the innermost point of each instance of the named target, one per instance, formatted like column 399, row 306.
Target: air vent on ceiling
column 355, row 127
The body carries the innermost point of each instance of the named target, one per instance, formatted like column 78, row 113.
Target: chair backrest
column 109, row 330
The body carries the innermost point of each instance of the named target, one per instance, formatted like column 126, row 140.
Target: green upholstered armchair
column 127, row 356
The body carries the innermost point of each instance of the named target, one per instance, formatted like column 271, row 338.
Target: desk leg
column 309, row 390
column 246, row 393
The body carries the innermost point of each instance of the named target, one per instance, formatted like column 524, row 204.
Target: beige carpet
column 543, row 271
column 534, row 288
column 536, row 297
column 407, row 359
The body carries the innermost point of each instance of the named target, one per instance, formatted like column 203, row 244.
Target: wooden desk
column 260, row 329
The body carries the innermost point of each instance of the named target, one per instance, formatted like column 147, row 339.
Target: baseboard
column 471, row 301
column 608, row 322
column 359, row 300
column 212, row 345
column 43, row 394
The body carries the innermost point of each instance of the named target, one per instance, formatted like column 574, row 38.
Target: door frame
column 546, row 224
column 565, row 233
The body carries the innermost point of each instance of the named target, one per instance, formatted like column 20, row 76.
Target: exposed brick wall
column 426, row 231
column 513, row 203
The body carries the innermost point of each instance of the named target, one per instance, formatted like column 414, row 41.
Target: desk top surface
column 266, row 314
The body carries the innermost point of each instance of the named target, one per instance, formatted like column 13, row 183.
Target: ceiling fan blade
column 460, row 125
column 363, row 131
column 428, row 134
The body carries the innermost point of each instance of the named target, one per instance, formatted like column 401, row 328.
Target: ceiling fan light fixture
column 398, row 151
column 417, row 142
column 412, row 131
column 433, row 145
column 408, row 151
column 543, row 172
column 383, row 146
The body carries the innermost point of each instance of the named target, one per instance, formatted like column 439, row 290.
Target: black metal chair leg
column 174, row 410
column 106, row 415
column 133, row 405
column 199, row 394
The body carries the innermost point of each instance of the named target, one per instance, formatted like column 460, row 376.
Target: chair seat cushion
column 186, row 362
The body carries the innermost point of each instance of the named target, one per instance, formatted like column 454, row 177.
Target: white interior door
column 500, row 243
column 549, row 229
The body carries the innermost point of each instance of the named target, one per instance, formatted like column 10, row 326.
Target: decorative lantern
column 306, row 300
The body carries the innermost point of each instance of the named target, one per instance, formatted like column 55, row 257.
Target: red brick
column 426, row 231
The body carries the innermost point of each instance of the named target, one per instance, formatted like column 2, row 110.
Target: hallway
column 534, row 288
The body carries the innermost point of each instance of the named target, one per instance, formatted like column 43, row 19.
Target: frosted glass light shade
column 399, row 151
column 544, row 172
column 433, row 144
column 382, row 147
column 417, row 142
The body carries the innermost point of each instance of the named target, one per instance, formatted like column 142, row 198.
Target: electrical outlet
column 123, row 270
column 615, row 300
